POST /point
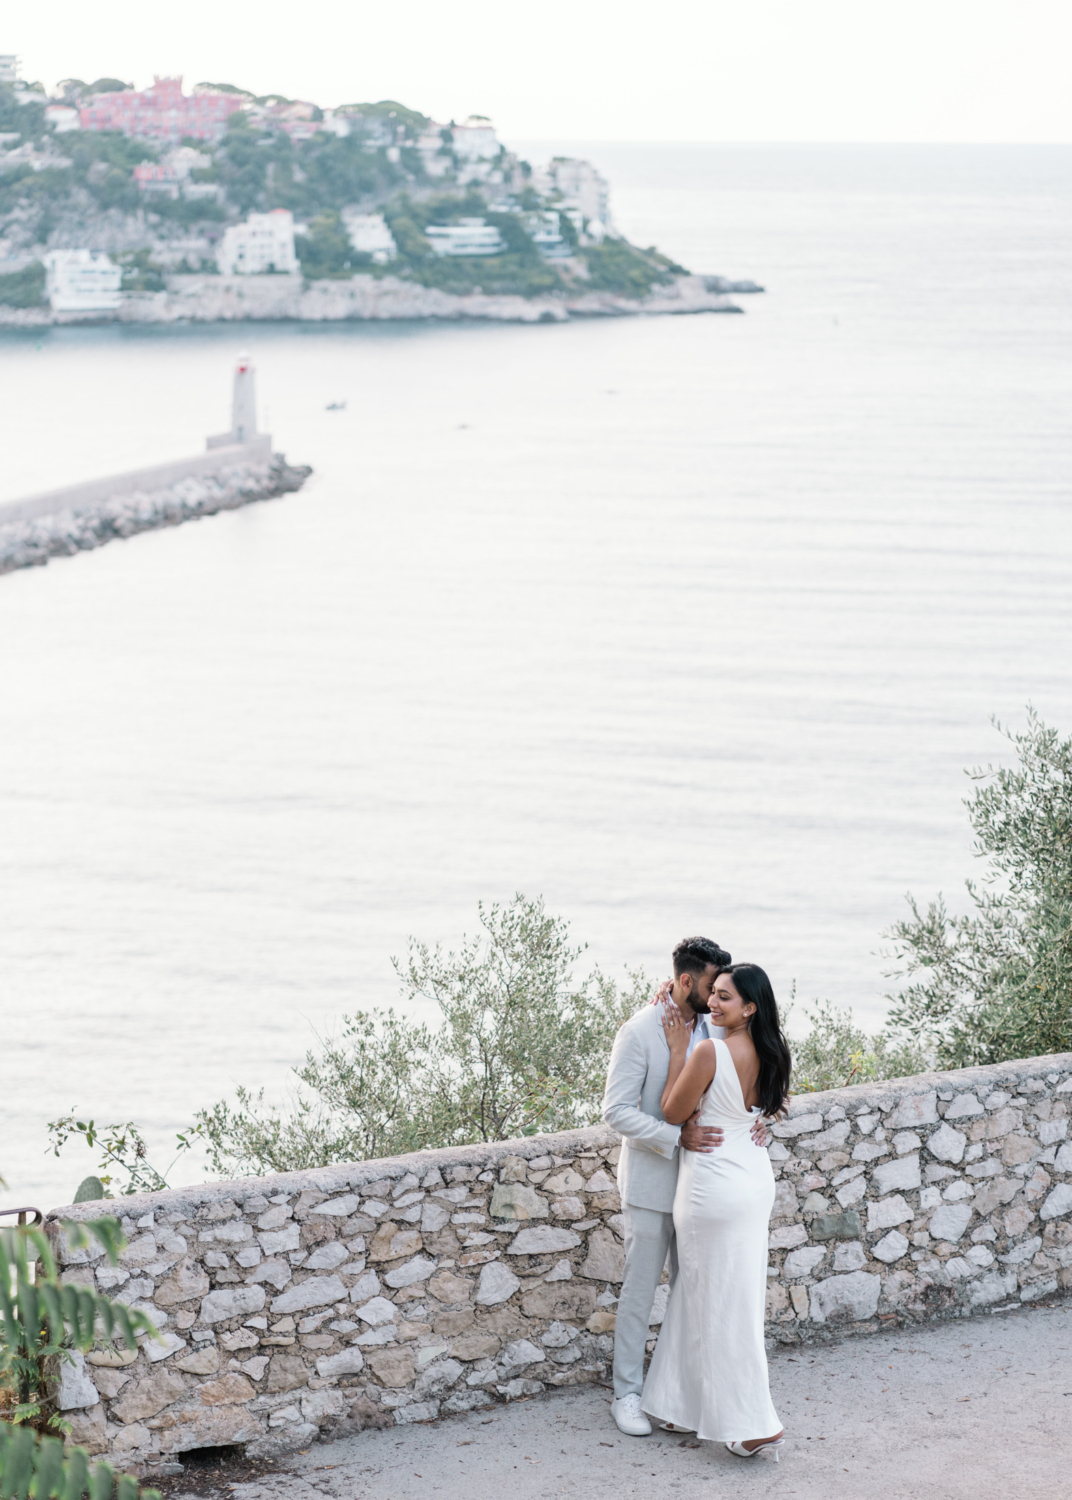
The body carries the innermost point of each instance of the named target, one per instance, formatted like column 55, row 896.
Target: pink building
column 162, row 112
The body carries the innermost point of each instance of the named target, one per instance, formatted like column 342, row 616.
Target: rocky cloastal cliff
column 29, row 544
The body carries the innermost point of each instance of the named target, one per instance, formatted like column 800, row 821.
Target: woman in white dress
column 709, row 1371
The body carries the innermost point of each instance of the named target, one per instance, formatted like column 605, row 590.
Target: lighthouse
column 243, row 408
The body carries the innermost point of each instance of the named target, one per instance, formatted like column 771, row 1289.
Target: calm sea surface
column 687, row 624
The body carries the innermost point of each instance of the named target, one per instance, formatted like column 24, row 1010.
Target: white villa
column 369, row 233
column 469, row 237
column 262, row 245
column 582, row 188
column 82, row 281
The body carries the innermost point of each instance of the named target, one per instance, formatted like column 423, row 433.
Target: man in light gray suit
column 647, row 1169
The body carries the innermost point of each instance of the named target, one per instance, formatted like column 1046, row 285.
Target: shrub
column 836, row 1053
column 25, row 288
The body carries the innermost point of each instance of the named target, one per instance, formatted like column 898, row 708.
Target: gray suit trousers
column 648, row 1236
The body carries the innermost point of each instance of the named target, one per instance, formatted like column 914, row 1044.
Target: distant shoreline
column 227, row 299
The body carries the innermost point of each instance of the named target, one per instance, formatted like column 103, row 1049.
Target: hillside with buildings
column 110, row 196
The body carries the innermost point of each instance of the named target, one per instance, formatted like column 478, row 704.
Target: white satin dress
column 709, row 1371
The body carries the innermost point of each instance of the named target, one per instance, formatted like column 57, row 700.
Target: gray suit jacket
column 639, row 1063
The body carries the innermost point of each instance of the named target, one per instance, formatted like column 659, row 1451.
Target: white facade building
column 61, row 117
column 82, row 281
column 470, row 237
column 582, row 188
column 9, row 67
column 476, row 140
column 435, row 153
column 262, row 245
column 369, row 234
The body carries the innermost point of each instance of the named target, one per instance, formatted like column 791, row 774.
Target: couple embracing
column 691, row 1079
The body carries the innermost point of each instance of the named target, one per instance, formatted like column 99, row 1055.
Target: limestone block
column 890, row 1247
column 569, row 1301
column 437, row 1378
column 570, row 1181
column 516, row 1200
column 1037, row 1289
column 992, row 1194
column 599, row 1182
column 320, row 1406
column 434, row 1217
column 453, row 1321
column 658, row 1306
column 286, row 1372
column 1052, row 1131
column 367, row 1285
column 446, row 1287
column 278, row 1241
column 275, row 1272
column 787, row 1237
column 413, row 1271
column 888, row 1213
column 866, row 1122
column 204, row 1361
column 785, row 1200
column 843, row 1226
column 606, row 1257
column 132, row 1439
column 254, row 1368
column 475, row 1346
column 798, row 1295
column 993, row 1288
column 231, row 1302
column 1020, row 1254
column 284, row 1414
column 846, row 1299
column 802, row 1262
column 947, row 1144
column 89, row 1429
column 849, row 1256
column 274, row 1217
column 327, row 1257
column 228, row 1390
column 963, row 1106
column 241, row 1338
column 249, row 1257
column 187, row 1281
column 950, row 1221
column 465, row 1401
column 163, row 1347
column 827, row 1140
column 540, row 1241
column 374, row 1337
column 317, row 1291
column 917, row 1109
column 391, row 1367
column 568, row 1208
column 209, row 1427
column 110, row 1382
column 519, row 1354
column 1017, row 1149
column 350, row 1362
column 1059, row 1202
column 801, row 1125
column 139, row 1252
column 150, row 1396
column 991, row 1167
column 336, row 1208
column 377, row 1312
column 1002, row 1123
column 74, row 1388
column 513, row 1169
column 892, row 1175
column 497, row 1284
column 1063, row 1160
column 777, row 1302
column 417, row 1411
column 391, row 1243
column 869, row 1151
column 979, row 1255
column 852, row 1192
column 601, row 1321
column 906, row 1140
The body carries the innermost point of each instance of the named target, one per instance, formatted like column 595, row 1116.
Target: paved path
column 972, row 1410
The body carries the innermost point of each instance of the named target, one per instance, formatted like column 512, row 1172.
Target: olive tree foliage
column 519, row 1046
column 996, row 983
column 836, row 1053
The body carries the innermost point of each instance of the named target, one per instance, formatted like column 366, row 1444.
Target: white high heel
column 770, row 1448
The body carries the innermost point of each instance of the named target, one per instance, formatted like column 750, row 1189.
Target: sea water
column 685, row 624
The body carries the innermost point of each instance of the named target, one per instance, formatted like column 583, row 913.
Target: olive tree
column 519, row 1045
column 996, row 983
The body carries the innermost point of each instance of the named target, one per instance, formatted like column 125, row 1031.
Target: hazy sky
column 698, row 70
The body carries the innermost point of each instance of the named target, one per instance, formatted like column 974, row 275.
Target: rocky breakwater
column 31, row 543
column 403, row 1290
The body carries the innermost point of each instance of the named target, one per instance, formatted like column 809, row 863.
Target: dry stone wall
column 401, row 1290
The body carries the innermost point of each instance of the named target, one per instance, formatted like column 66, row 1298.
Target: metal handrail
column 38, row 1216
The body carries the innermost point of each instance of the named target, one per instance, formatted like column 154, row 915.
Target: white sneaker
column 629, row 1417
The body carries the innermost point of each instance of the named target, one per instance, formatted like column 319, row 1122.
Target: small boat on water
column 336, row 406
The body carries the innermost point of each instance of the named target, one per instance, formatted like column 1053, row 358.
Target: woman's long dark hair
column 772, row 1049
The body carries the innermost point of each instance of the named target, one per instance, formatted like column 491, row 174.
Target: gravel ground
column 979, row 1409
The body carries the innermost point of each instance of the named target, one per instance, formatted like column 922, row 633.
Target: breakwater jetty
column 238, row 468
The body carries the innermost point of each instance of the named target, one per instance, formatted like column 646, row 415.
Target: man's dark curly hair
column 692, row 955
